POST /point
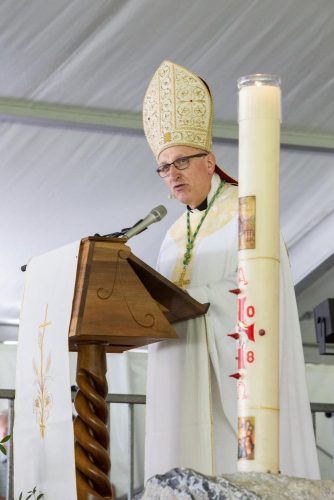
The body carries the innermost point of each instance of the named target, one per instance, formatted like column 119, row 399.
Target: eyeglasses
column 179, row 164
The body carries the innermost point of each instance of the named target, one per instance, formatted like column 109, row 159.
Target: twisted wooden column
column 91, row 435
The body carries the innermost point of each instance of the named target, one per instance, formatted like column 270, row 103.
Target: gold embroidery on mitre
column 167, row 137
column 177, row 110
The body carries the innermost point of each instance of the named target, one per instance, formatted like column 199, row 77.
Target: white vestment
column 191, row 400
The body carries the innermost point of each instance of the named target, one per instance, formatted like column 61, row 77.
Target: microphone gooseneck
column 155, row 215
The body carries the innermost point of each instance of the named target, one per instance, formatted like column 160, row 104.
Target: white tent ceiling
column 74, row 160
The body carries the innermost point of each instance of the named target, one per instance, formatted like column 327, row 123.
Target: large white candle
column 258, row 273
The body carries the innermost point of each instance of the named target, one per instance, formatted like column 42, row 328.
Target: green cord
column 191, row 240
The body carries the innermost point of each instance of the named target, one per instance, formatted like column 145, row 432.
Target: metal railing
column 129, row 399
column 327, row 409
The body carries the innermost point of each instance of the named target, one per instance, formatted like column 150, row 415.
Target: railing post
column 333, row 440
column 109, row 431
column 10, row 467
column 314, row 422
column 130, row 448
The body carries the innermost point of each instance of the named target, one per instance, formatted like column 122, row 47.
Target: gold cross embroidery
column 43, row 326
column 182, row 282
column 45, row 323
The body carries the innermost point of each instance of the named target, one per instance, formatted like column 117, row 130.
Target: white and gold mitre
column 177, row 110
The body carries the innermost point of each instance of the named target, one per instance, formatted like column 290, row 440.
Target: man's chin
column 181, row 198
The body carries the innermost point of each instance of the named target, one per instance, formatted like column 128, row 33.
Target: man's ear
column 211, row 162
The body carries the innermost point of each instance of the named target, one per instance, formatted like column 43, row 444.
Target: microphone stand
column 122, row 232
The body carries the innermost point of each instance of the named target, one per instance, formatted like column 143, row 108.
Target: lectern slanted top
column 121, row 302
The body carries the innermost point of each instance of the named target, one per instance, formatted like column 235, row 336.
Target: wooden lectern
column 119, row 303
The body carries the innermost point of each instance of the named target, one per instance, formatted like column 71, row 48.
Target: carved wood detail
column 119, row 303
column 90, row 426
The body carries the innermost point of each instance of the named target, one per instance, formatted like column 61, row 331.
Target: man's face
column 191, row 185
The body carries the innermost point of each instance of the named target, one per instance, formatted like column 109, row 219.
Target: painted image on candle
column 246, row 438
column 247, row 208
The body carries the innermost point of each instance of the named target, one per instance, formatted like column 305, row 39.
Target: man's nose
column 173, row 171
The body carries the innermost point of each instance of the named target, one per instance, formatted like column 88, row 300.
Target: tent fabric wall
column 60, row 184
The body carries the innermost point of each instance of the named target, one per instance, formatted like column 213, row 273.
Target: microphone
column 155, row 215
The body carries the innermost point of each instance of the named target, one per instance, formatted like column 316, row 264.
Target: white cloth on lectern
column 44, row 456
